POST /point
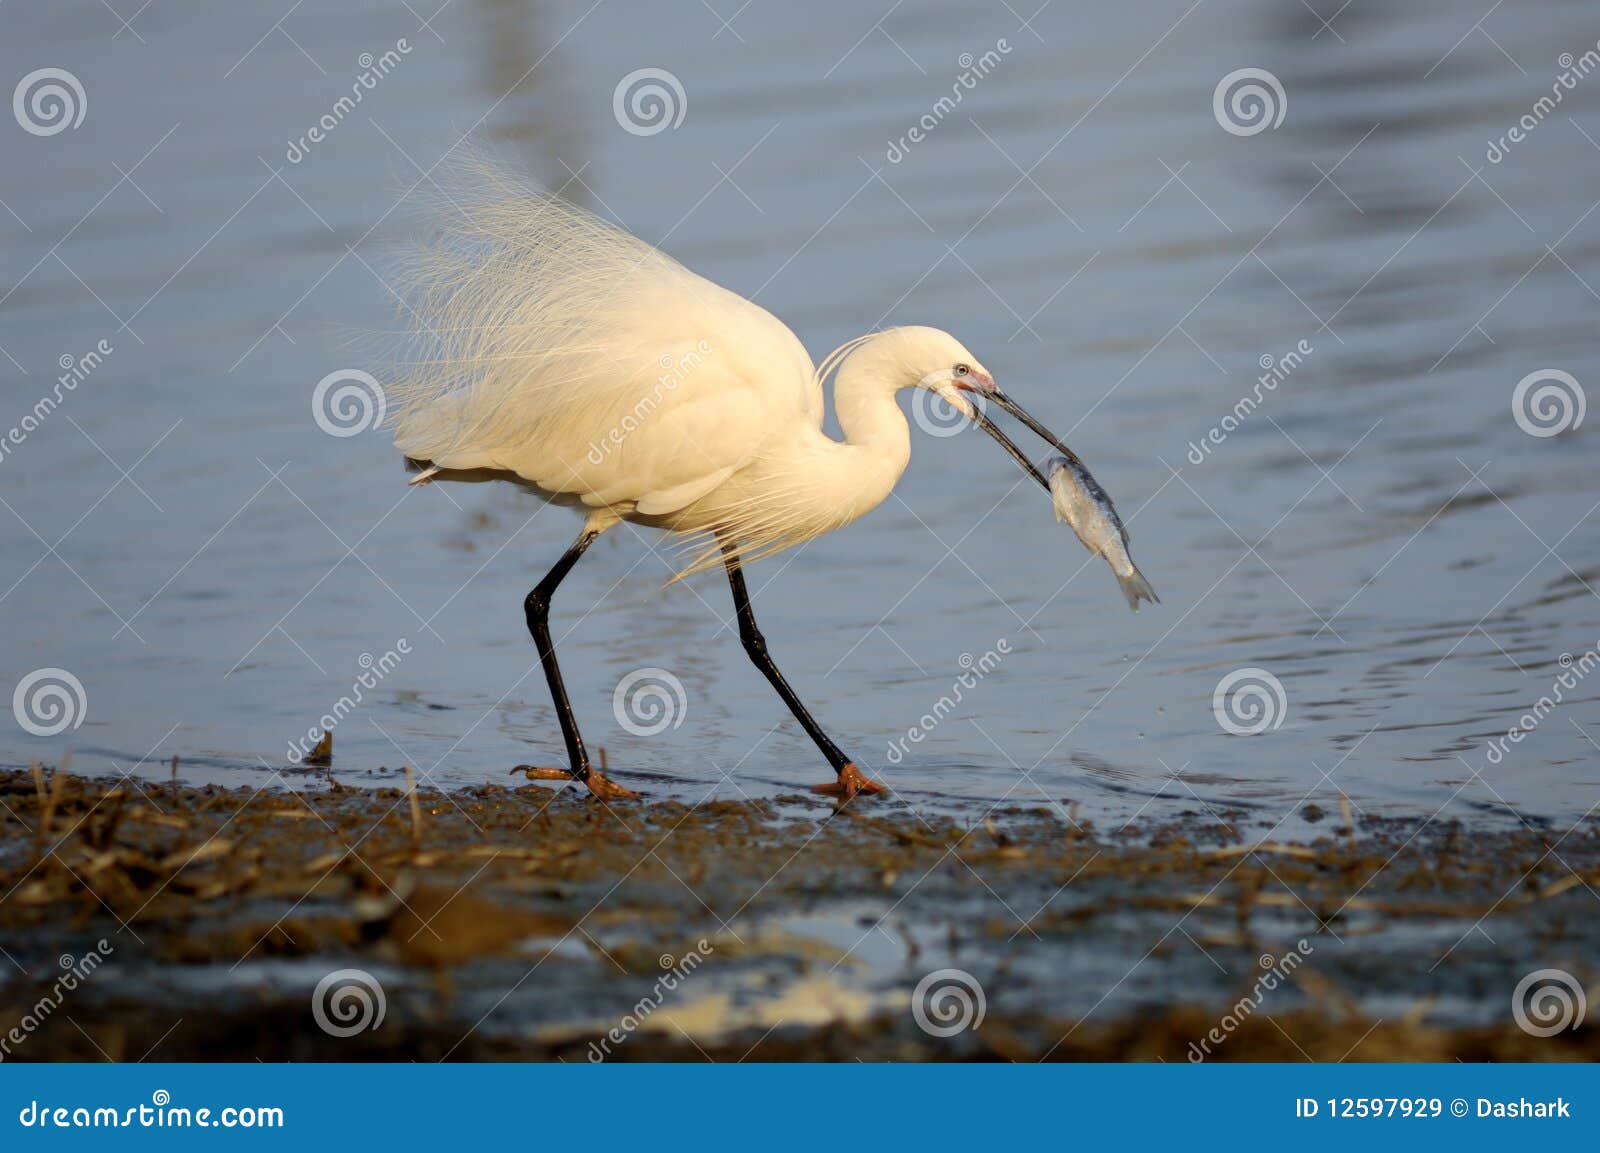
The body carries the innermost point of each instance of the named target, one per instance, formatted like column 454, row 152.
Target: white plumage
column 553, row 348
column 549, row 348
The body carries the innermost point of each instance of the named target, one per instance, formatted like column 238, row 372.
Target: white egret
column 561, row 353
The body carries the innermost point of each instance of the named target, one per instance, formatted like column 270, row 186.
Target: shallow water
column 1379, row 535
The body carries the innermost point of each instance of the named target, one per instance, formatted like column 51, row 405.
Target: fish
column 1082, row 503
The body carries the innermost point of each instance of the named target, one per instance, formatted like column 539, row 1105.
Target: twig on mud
column 1299, row 851
column 904, row 836
column 416, row 808
column 1556, row 888
column 100, row 837
column 47, row 811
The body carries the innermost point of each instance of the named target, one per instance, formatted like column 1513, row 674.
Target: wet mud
column 531, row 922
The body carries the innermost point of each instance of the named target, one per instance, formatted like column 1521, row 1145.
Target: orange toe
column 537, row 774
column 607, row 790
column 851, row 781
column 601, row 787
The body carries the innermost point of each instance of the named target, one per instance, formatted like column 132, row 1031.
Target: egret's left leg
column 850, row 779
column 537, row 609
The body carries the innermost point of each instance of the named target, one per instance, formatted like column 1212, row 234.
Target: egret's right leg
column 537, row 608
column 850, row 779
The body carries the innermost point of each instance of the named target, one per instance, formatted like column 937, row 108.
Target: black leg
column 755, row 644
column 537, row 609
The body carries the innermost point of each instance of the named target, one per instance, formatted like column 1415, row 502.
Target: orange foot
column 602, row 788
column 850, row 783
column 606, row 790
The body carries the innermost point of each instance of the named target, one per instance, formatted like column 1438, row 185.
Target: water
column 1378, row 534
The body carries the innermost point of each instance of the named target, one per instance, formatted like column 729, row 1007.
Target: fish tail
column 1136, row 588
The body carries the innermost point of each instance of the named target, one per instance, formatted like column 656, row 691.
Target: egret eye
column 962, row 369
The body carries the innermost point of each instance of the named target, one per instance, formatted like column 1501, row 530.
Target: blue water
column 1378, row 534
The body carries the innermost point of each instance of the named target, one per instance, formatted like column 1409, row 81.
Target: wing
column 550, row 344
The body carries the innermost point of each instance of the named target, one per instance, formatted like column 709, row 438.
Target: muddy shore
column 531, row 922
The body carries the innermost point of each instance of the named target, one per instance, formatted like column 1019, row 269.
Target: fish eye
column 962, row 369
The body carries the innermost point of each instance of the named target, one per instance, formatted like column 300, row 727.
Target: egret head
column 930, row 358
column 933, row 359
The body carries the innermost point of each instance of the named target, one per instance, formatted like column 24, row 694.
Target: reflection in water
column 521, row 66
column 1375, row 529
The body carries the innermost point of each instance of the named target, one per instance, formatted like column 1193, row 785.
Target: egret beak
column 981, row 384
column 1022, row 414
column 1006, row 443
